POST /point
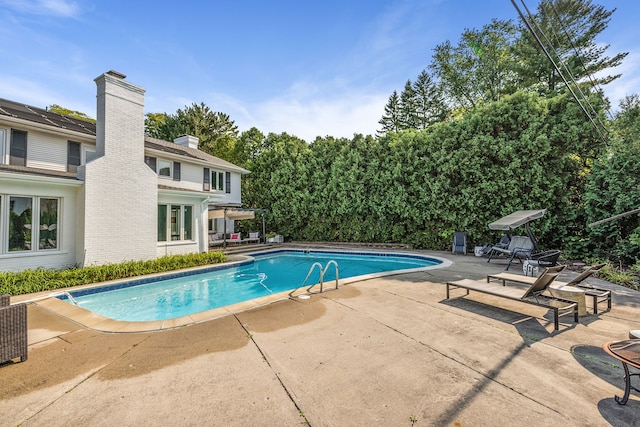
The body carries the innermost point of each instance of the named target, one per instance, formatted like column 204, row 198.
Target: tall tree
column 408, row 107
column 614, row 188
column 390, row 121
column 568, row 30
column 429, row 101
column 480, row 68
column 215, row 130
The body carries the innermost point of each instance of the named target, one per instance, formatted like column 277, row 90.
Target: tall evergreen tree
column 408, row 107
column 429, row 101
column 568, row 30
column 390, row 121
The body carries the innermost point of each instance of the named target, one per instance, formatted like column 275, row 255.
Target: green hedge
column 29, row 281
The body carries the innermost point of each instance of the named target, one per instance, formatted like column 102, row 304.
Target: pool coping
column 95, row 321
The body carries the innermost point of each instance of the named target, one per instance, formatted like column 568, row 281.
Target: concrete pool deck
column 381, row 352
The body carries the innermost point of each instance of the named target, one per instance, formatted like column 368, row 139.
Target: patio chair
column 215, row 239
column 599, row 295
column 235, row 238
column 520, row 247
column 253, row 237
column 531, row 295
column 13, row 330
column 544, row 259
column 459, row 243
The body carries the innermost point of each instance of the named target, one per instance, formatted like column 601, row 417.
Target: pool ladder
column 322, row 271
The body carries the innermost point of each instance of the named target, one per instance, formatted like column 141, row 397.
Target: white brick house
column 77, row 193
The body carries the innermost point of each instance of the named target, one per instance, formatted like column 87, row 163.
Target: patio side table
column 627, row 352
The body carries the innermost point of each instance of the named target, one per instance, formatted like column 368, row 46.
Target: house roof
column 181, row 150
column 46, row 117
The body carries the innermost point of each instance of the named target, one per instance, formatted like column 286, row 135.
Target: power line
column 555, row 66
column 567, row 69
column 594, row 84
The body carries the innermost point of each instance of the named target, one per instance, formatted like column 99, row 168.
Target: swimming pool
column 181, row 294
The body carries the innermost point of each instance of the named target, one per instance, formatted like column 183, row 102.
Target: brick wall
column 120, row 191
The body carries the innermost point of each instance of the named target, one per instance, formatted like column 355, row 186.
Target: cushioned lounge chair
column 531, row 295
column 599, row 295
column 215, row 239
column 520, row 247
column 253, row 238
column 13, row 330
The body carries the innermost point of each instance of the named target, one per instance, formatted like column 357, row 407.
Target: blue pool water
column 181, row 294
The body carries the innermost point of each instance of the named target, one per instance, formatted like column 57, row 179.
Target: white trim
column 22, row 176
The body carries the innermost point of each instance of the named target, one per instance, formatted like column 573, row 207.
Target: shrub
column 38, row 280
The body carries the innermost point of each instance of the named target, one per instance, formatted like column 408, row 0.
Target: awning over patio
column 235, row 214
column 516, row 219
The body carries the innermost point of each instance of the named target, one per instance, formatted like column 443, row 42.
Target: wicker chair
column 13, row 330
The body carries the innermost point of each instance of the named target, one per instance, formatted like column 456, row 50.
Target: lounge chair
column 13, row 330
column 599, row 295
column 544, row 259
column 253, row 238
column 520, row 247
column 215, row 239
column 531, row 295
column 235, row 238
column 459, row 242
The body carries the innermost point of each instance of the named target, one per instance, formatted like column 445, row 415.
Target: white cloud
column 61, row 8
column 628, row 83
column 342, row 114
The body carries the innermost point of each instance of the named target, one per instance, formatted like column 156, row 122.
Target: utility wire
column 563, row 63
column 594, row 84
column 555, row 66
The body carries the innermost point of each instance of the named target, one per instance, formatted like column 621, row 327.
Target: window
column 29, row 233
column 206, row 180
column 175, row 222
column 227, row 179
column 20, row 223
column 217, row 181
column 162, row 223
column 48, row 230
column 73, row 156
column 188, row 222
column 164, row 168
column 18, row 148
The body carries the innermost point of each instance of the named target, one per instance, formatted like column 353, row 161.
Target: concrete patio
column 382, row 352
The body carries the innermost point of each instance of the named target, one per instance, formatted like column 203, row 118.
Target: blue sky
column 302, row 67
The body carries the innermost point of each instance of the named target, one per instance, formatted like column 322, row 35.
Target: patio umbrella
column 518, row 219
